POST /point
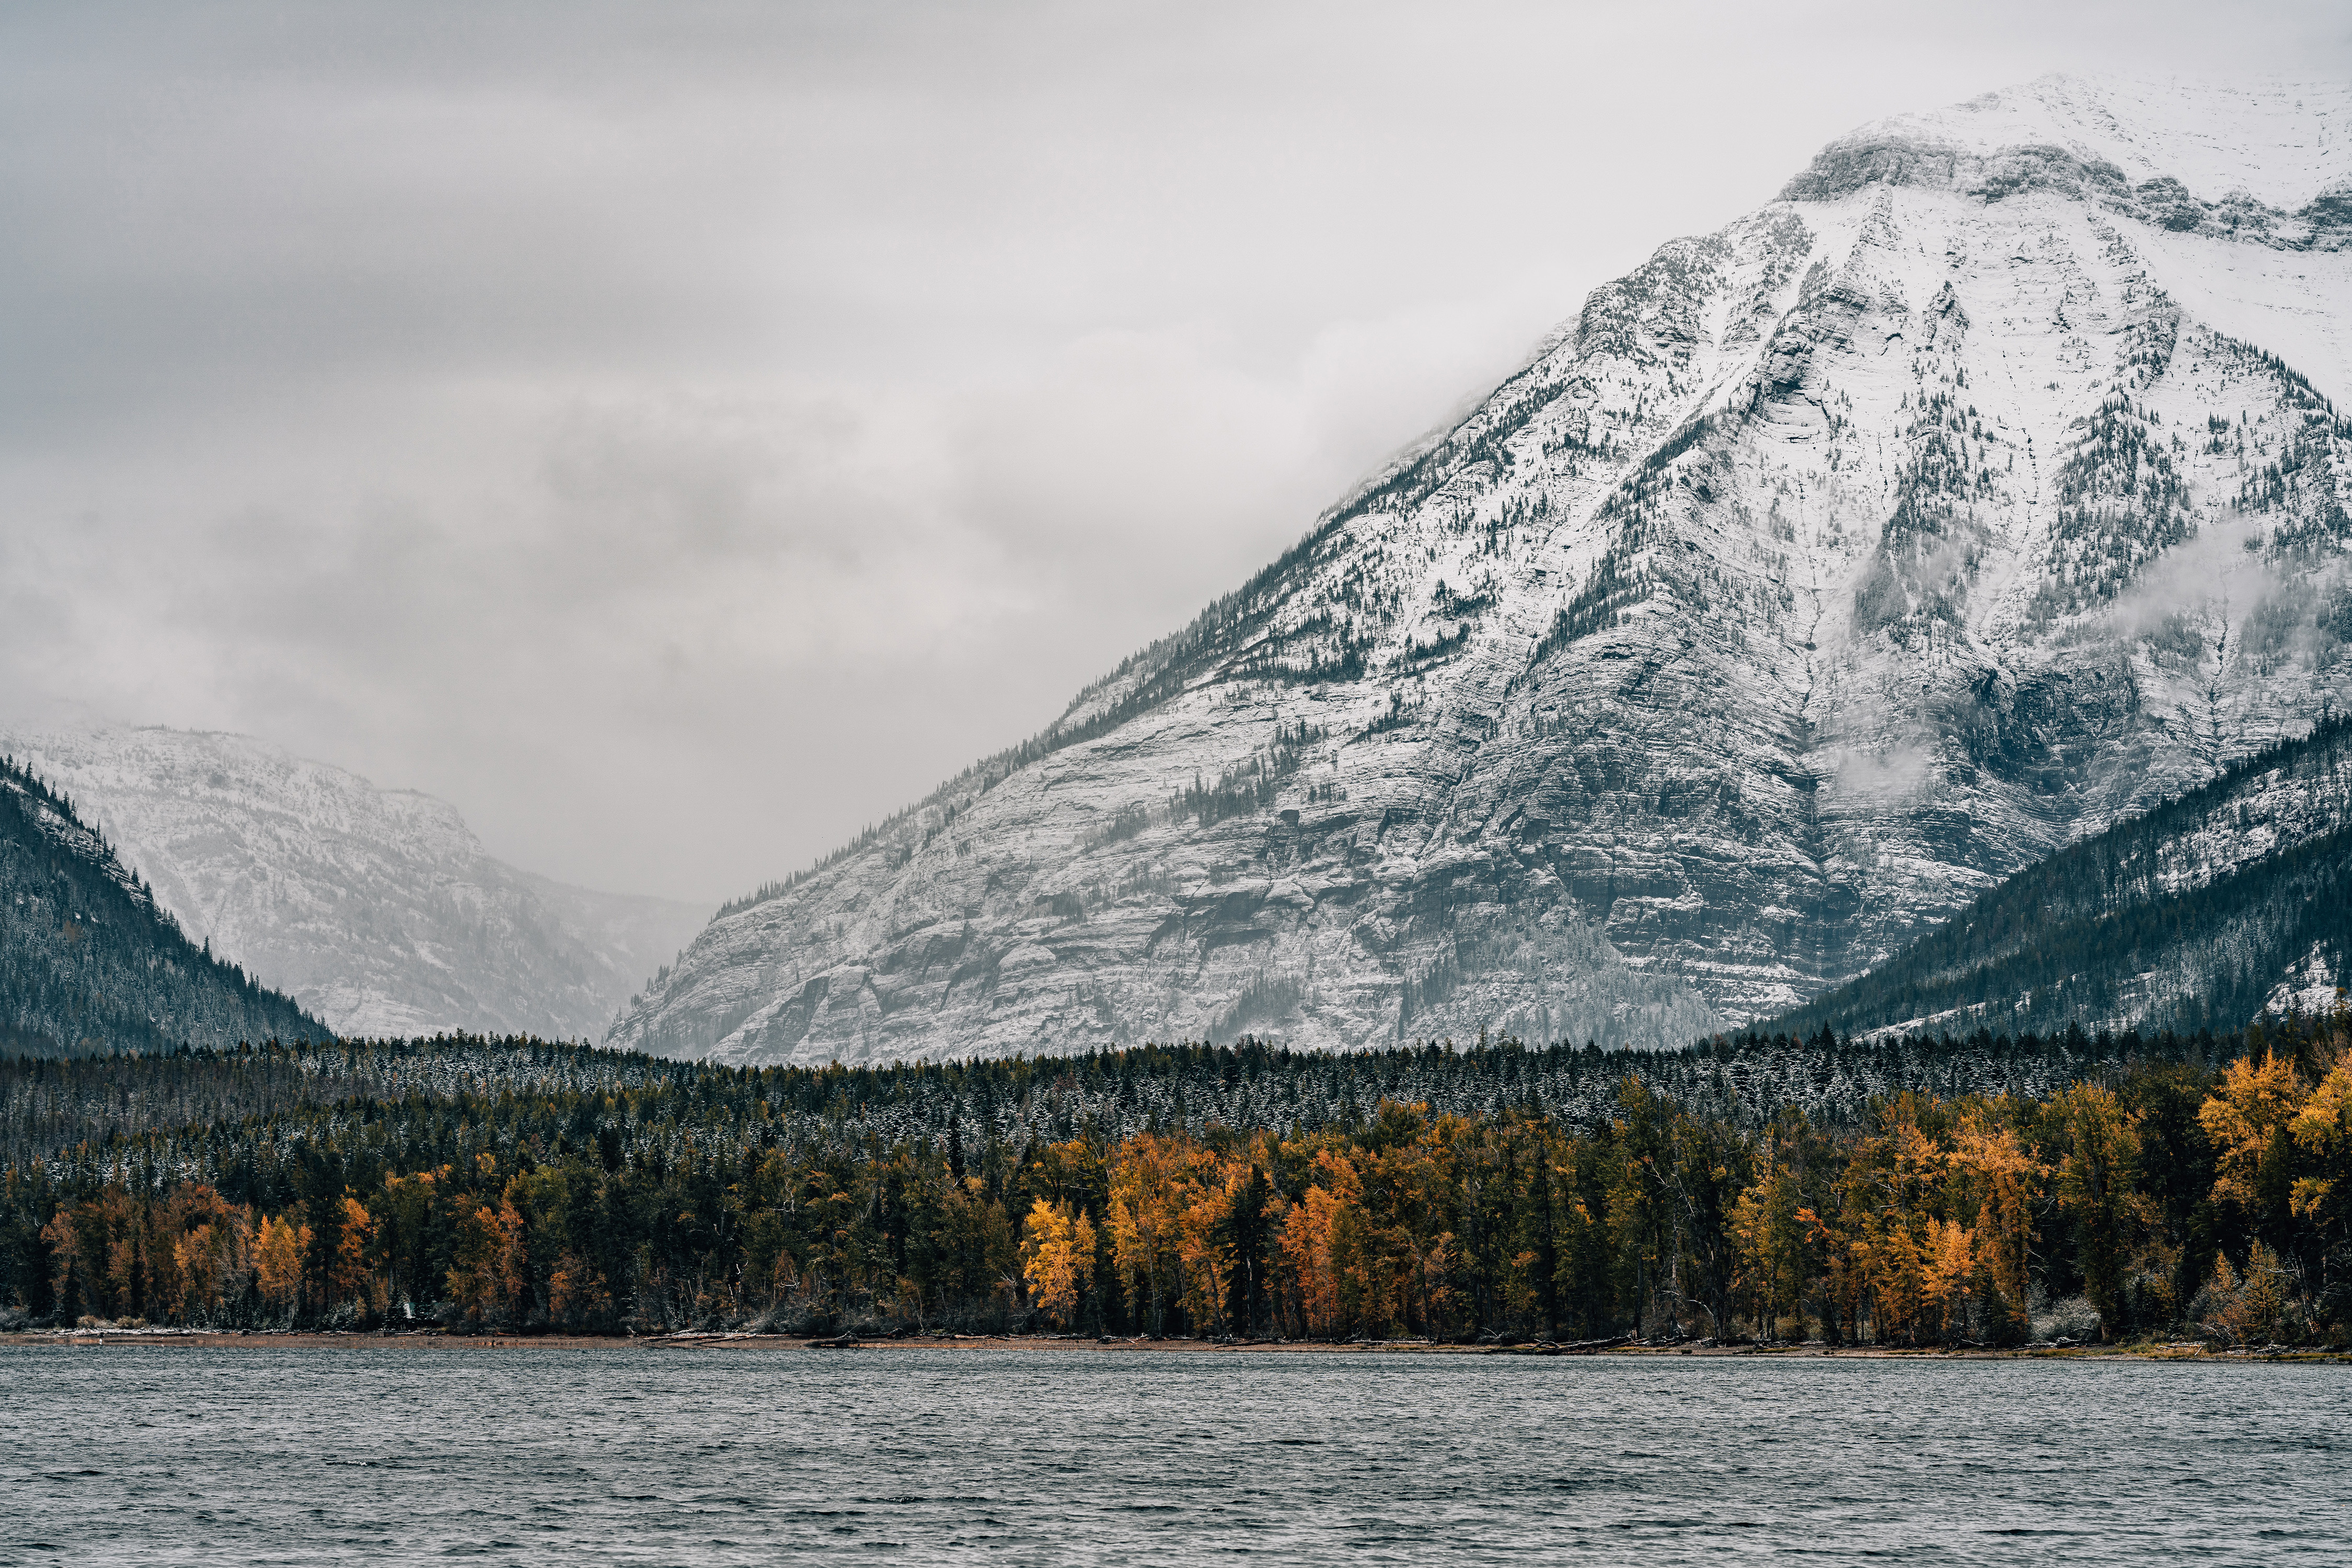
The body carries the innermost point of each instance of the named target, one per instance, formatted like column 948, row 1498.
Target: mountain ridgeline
column 1985, row 489
column 88, row 963
column 2233, row 900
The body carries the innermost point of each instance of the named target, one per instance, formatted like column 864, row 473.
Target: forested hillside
column 88, row 963
column 2233, row 897
column 1753, row 1187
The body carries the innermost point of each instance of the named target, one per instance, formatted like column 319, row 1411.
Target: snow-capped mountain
column 1981, row 489
column 376, row 909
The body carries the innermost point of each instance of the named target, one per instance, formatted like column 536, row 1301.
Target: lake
column 614, row 1456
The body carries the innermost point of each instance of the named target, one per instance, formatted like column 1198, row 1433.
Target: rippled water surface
column 589, row 1457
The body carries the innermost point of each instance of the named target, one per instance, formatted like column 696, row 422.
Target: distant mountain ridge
column 89, row 964
column 1986, row 488
column 377, row 909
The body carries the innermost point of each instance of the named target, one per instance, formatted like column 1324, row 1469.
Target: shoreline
column 433, row 1339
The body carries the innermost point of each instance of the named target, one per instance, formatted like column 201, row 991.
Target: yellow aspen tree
column 514, row 1253
column 1050, row 1260
column 2323, row 1130
column 2004, row 1180
column 1146, row 1215
column 1950, row 1264
column 1205, row 1262
column 2252, row 1102
column 1895, row 1261
column 277, row 1255
column 1310, row 1242
column 485, row 1281
column 1769, row 1235
column 191, row 1254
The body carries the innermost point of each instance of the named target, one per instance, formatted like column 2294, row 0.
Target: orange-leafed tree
column 1772, row 1240
column 353, row 1276
column 212, row 1252
column 1155, row 1179
column 1997, row 1182
column 1948, row 1277
column 277, row 1251
column 1317, row 1241
column 2322, row 1130
column 2246, row 1117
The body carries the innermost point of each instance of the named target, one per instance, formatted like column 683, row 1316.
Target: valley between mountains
column 1880, row 669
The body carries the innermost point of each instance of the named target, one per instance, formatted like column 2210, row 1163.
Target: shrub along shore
column 1986, row 1193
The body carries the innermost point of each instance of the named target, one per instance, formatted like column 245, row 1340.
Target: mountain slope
column 89, row 964
column 1982, row 489
column 377, row 909
column 2235, row 897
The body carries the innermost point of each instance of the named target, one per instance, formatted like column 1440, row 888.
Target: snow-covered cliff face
column 1820, row 573
column 376, row 909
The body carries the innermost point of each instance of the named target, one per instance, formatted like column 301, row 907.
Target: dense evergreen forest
column 89, row 964
column 2181, row 918
column 1919, row 1192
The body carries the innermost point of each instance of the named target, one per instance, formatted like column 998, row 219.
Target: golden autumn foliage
column 1058, row 1257
column 488, row 1279
column 2244, row 1117
column 277, row 1255
column 2206, row 1201
column 352, row 1277
column 2322, row 1128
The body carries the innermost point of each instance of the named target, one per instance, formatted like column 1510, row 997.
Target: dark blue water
column 589, row 1457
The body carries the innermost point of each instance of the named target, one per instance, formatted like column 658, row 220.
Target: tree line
column 135, row 1117
column 2198, row 1186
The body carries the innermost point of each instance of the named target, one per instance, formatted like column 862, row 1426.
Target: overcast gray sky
column 680, row 433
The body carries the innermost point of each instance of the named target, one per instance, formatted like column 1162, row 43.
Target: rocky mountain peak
column 1820, row 573
column 2211, row 146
